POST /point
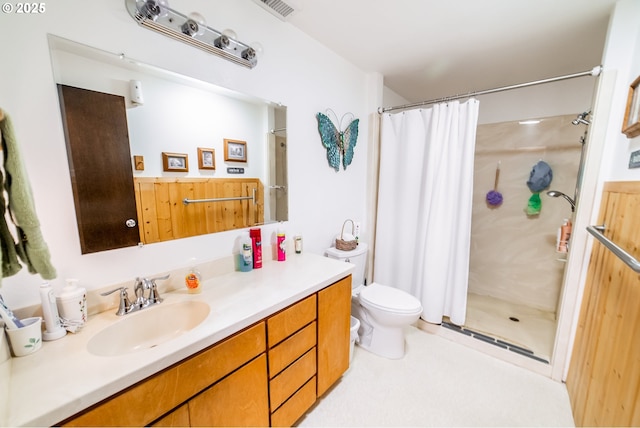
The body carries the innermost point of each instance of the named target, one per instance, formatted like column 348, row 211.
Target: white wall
column 294, row 70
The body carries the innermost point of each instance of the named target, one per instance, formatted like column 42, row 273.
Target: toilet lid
column 390, row 299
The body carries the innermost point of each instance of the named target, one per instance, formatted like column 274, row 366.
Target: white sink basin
column 148, row 328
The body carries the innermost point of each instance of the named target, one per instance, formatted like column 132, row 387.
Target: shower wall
column 513, row 256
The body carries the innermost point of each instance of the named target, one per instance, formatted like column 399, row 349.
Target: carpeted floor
column 440, row 383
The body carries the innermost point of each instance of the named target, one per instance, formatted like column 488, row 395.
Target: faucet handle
column 154, row 296
column 125, row 303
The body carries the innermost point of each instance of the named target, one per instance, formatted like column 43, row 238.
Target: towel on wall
column 30, row 248
column 539, row 179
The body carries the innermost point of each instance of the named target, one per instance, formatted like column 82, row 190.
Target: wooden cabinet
column 157, row 395
column 267, row 374
column 334, row 324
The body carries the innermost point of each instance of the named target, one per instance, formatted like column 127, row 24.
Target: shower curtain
column 423, row 225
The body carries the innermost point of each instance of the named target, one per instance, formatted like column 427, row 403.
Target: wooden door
column 604, row 376
column 334, row 324
column 95, row 126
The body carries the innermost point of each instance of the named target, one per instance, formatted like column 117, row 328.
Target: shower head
column 555, row 194
column 582, row 118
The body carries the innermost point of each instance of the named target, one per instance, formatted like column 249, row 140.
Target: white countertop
column 63, row 378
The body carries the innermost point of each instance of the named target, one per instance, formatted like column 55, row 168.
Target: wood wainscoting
column 163, row 215
column 604, row 376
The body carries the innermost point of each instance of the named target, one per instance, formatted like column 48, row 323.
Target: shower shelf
column 627, row 258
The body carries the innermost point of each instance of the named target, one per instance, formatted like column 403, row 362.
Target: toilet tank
column 358, row 257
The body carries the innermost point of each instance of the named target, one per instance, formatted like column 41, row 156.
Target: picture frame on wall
column 175, row 162
column 235, row 151
column 631, row 122
column 206, row 158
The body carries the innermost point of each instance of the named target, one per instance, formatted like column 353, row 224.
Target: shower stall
column 516, row 271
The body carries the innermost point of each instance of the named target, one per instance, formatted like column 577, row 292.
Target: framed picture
column 175, row 161
column 631, row 123
column 235, row 151
column 206, row 158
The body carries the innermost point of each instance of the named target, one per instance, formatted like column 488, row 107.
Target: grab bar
column 188, row 201
column 627, row 258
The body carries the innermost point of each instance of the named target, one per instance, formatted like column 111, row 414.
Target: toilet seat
column 389, row 299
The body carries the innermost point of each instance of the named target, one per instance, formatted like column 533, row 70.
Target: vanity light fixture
column 192, row 29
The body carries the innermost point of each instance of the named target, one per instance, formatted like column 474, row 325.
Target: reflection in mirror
column 170, row 113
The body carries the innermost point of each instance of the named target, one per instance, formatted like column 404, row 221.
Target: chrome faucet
column 141, row 301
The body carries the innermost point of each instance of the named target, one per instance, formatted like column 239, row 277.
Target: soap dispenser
column 193, row 280
column 72, row 303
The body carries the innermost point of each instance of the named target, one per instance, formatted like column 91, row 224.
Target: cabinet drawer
column 291, row 349
column 288, row 321
column 176, row 384
column 295, row 406
column 293, row 377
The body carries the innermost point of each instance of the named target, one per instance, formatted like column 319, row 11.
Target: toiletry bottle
column 297, row 241
column 72, row 302
column 193, row 280
column 245, row 257
column 53, row 328
column 564, row 232
column 256, row 247
column 281, row 245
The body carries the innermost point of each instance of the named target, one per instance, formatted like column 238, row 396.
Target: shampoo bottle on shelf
column 245, row 256
column 256, row 247
column 193, row 280
column 564, row 233
column 281, row 245
column 53, row 329
column 72, row 303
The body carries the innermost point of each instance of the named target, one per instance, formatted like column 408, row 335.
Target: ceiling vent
column 277, row 7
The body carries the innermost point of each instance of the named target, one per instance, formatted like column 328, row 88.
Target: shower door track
column 595, row 71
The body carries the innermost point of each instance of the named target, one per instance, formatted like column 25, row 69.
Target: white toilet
column 383, row 311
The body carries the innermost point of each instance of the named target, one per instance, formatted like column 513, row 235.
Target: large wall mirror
column 199, row 158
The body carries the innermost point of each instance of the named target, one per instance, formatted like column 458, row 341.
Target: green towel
column 31, row 247
column 534, row 205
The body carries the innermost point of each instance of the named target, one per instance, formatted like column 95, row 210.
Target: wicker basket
column 346, row 245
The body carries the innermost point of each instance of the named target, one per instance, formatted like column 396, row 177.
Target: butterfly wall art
column 338, row 143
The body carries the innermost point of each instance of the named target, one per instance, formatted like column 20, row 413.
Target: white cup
column 28, row 339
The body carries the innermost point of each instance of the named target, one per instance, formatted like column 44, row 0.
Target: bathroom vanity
column 275, row 339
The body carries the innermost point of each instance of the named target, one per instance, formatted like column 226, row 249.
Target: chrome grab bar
column 627, row 258
column 188, row 201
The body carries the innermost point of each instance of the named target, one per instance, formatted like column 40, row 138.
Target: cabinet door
column 95, row 126
column 334, row 316
column 240, row 399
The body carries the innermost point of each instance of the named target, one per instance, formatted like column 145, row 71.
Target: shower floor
column 534, row 329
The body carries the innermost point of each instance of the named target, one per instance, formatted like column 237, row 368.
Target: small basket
column 346, row 245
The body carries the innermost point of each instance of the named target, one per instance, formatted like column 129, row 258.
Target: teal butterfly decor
column 338, row 143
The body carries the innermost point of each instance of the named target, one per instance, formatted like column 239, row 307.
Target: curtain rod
column 595, row 71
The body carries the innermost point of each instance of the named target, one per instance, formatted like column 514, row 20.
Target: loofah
column 494, row 198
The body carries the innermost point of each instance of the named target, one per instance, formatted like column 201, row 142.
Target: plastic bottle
column 245, row 256
column 256, row 247
column 193, row 280
column 564, row 233
column 297, row 241
column 72, row 302
column 281, row 245
column 53, row 328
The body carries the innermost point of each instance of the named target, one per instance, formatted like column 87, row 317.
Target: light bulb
column 230, row 34
column 195, row 25
column 257, row 47
column 152, row 9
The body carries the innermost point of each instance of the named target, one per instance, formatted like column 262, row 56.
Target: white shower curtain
column 425, row 193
